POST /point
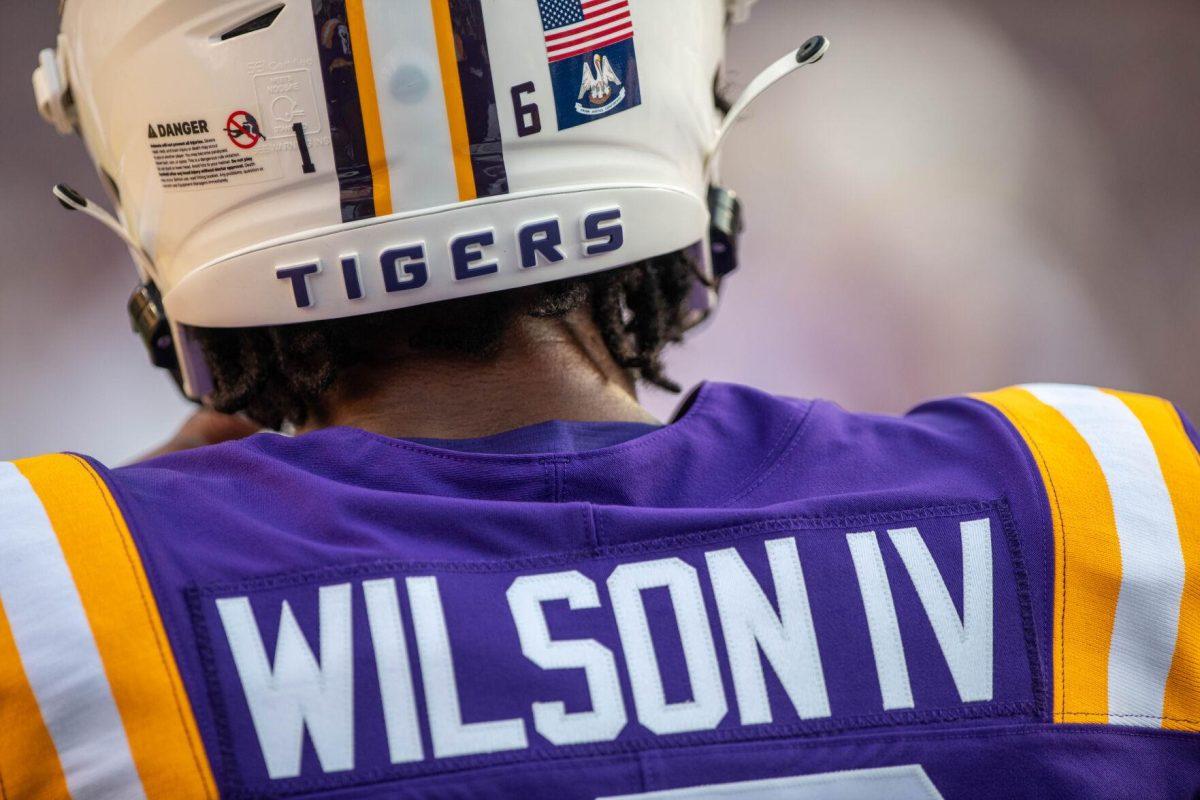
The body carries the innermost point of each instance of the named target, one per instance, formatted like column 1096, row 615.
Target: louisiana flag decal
column 592, row 63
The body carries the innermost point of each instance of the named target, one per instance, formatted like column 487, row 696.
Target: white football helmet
column 282, row 161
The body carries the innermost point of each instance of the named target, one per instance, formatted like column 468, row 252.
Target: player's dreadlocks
column 279, row 374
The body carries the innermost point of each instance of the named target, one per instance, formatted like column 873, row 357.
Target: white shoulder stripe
column 1152, row 570
column 57, row 649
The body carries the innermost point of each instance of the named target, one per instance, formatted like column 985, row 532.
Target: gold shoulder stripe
column 120, row 608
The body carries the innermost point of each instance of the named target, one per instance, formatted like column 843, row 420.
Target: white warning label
column 195, row 154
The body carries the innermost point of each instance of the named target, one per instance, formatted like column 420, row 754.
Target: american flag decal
column 589, row 44
column 576, row 27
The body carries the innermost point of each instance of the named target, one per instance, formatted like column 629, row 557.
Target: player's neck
column 546, row 369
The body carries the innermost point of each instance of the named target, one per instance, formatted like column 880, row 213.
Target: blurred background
column 964, row 194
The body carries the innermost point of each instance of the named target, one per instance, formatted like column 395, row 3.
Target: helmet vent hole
column 257, row 24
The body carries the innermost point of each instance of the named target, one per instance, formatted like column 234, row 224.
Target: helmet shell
column 286, row 162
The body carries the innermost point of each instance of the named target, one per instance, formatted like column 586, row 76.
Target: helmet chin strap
column 72, row 200
column 145, row 305
column 809, row 53
column 717, row 256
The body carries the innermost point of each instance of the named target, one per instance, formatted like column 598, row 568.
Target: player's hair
column 279, row 374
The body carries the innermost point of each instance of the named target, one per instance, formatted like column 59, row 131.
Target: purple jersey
column 994, row 596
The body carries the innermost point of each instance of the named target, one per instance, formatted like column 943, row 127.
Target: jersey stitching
column 1133, row 716
column 784, row 742
column 772, row 461
column 598, row 521
column 818, row 733
column 548, row 479
column 591, row 525
column 644, row 783
column 216, row 698
column 532, row 458
column 1025, row 606
column 149, row 617
column 1036, row 479
column 1041, row 730
column 729, row 533
column 996, row 732
column 761, row 470
column 1060, row 680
